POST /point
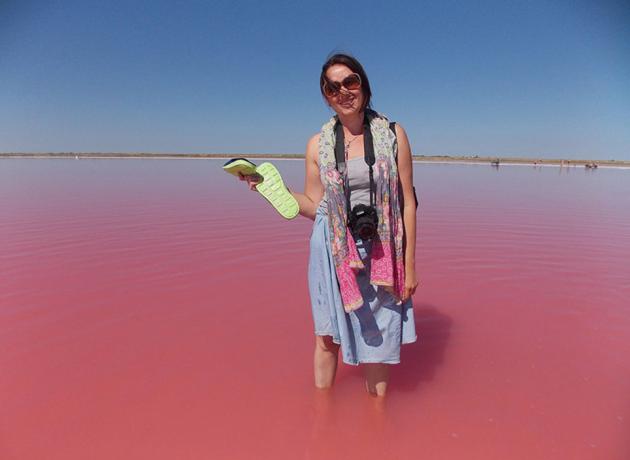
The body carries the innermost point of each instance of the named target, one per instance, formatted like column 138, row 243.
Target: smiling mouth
column 347, row 102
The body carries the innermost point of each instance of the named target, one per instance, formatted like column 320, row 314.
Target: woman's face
column 346, row 102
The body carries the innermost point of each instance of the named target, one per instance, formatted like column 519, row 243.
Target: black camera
column 363, row 221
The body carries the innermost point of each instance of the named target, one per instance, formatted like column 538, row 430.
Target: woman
column 361, row 281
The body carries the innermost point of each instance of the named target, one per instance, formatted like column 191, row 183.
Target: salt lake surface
column 157, row 309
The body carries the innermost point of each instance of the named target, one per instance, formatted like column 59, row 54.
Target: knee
column 325, row 343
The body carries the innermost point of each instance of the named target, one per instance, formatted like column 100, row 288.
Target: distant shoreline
column 417, row 158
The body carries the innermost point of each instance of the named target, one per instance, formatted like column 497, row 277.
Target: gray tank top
column 359, row 180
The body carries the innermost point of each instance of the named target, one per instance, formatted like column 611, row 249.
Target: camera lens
column 363, row 221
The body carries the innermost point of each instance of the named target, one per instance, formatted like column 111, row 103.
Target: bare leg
column 325, row 361
column 376, row 377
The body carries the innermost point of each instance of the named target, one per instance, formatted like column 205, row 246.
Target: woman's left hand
column 252, row 180
column 411, row 283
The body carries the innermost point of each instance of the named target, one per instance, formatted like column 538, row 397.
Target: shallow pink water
column 156, row 309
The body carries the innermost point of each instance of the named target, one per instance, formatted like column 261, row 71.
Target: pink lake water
column 157, row 309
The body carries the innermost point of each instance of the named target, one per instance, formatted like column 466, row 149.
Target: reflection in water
column 367, row 430
column 324, row 425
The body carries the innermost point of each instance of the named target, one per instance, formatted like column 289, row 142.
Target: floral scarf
column 387, row 258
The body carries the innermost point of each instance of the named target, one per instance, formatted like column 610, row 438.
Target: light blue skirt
column 374, row 332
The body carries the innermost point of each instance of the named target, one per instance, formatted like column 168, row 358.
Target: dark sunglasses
column 351, row 82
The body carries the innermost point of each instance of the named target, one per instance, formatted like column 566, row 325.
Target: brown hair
column 354, row 65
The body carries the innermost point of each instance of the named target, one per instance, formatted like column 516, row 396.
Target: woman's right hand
column 252, row 180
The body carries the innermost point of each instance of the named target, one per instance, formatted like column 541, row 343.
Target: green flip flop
column 273, row 189
column 240, row 165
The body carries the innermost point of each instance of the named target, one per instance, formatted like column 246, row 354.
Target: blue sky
column 538, row 78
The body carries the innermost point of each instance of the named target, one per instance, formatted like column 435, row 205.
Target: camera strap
column 368, row 155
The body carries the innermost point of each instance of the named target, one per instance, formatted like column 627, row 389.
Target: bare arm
column 405, row 173
column 313, row 188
